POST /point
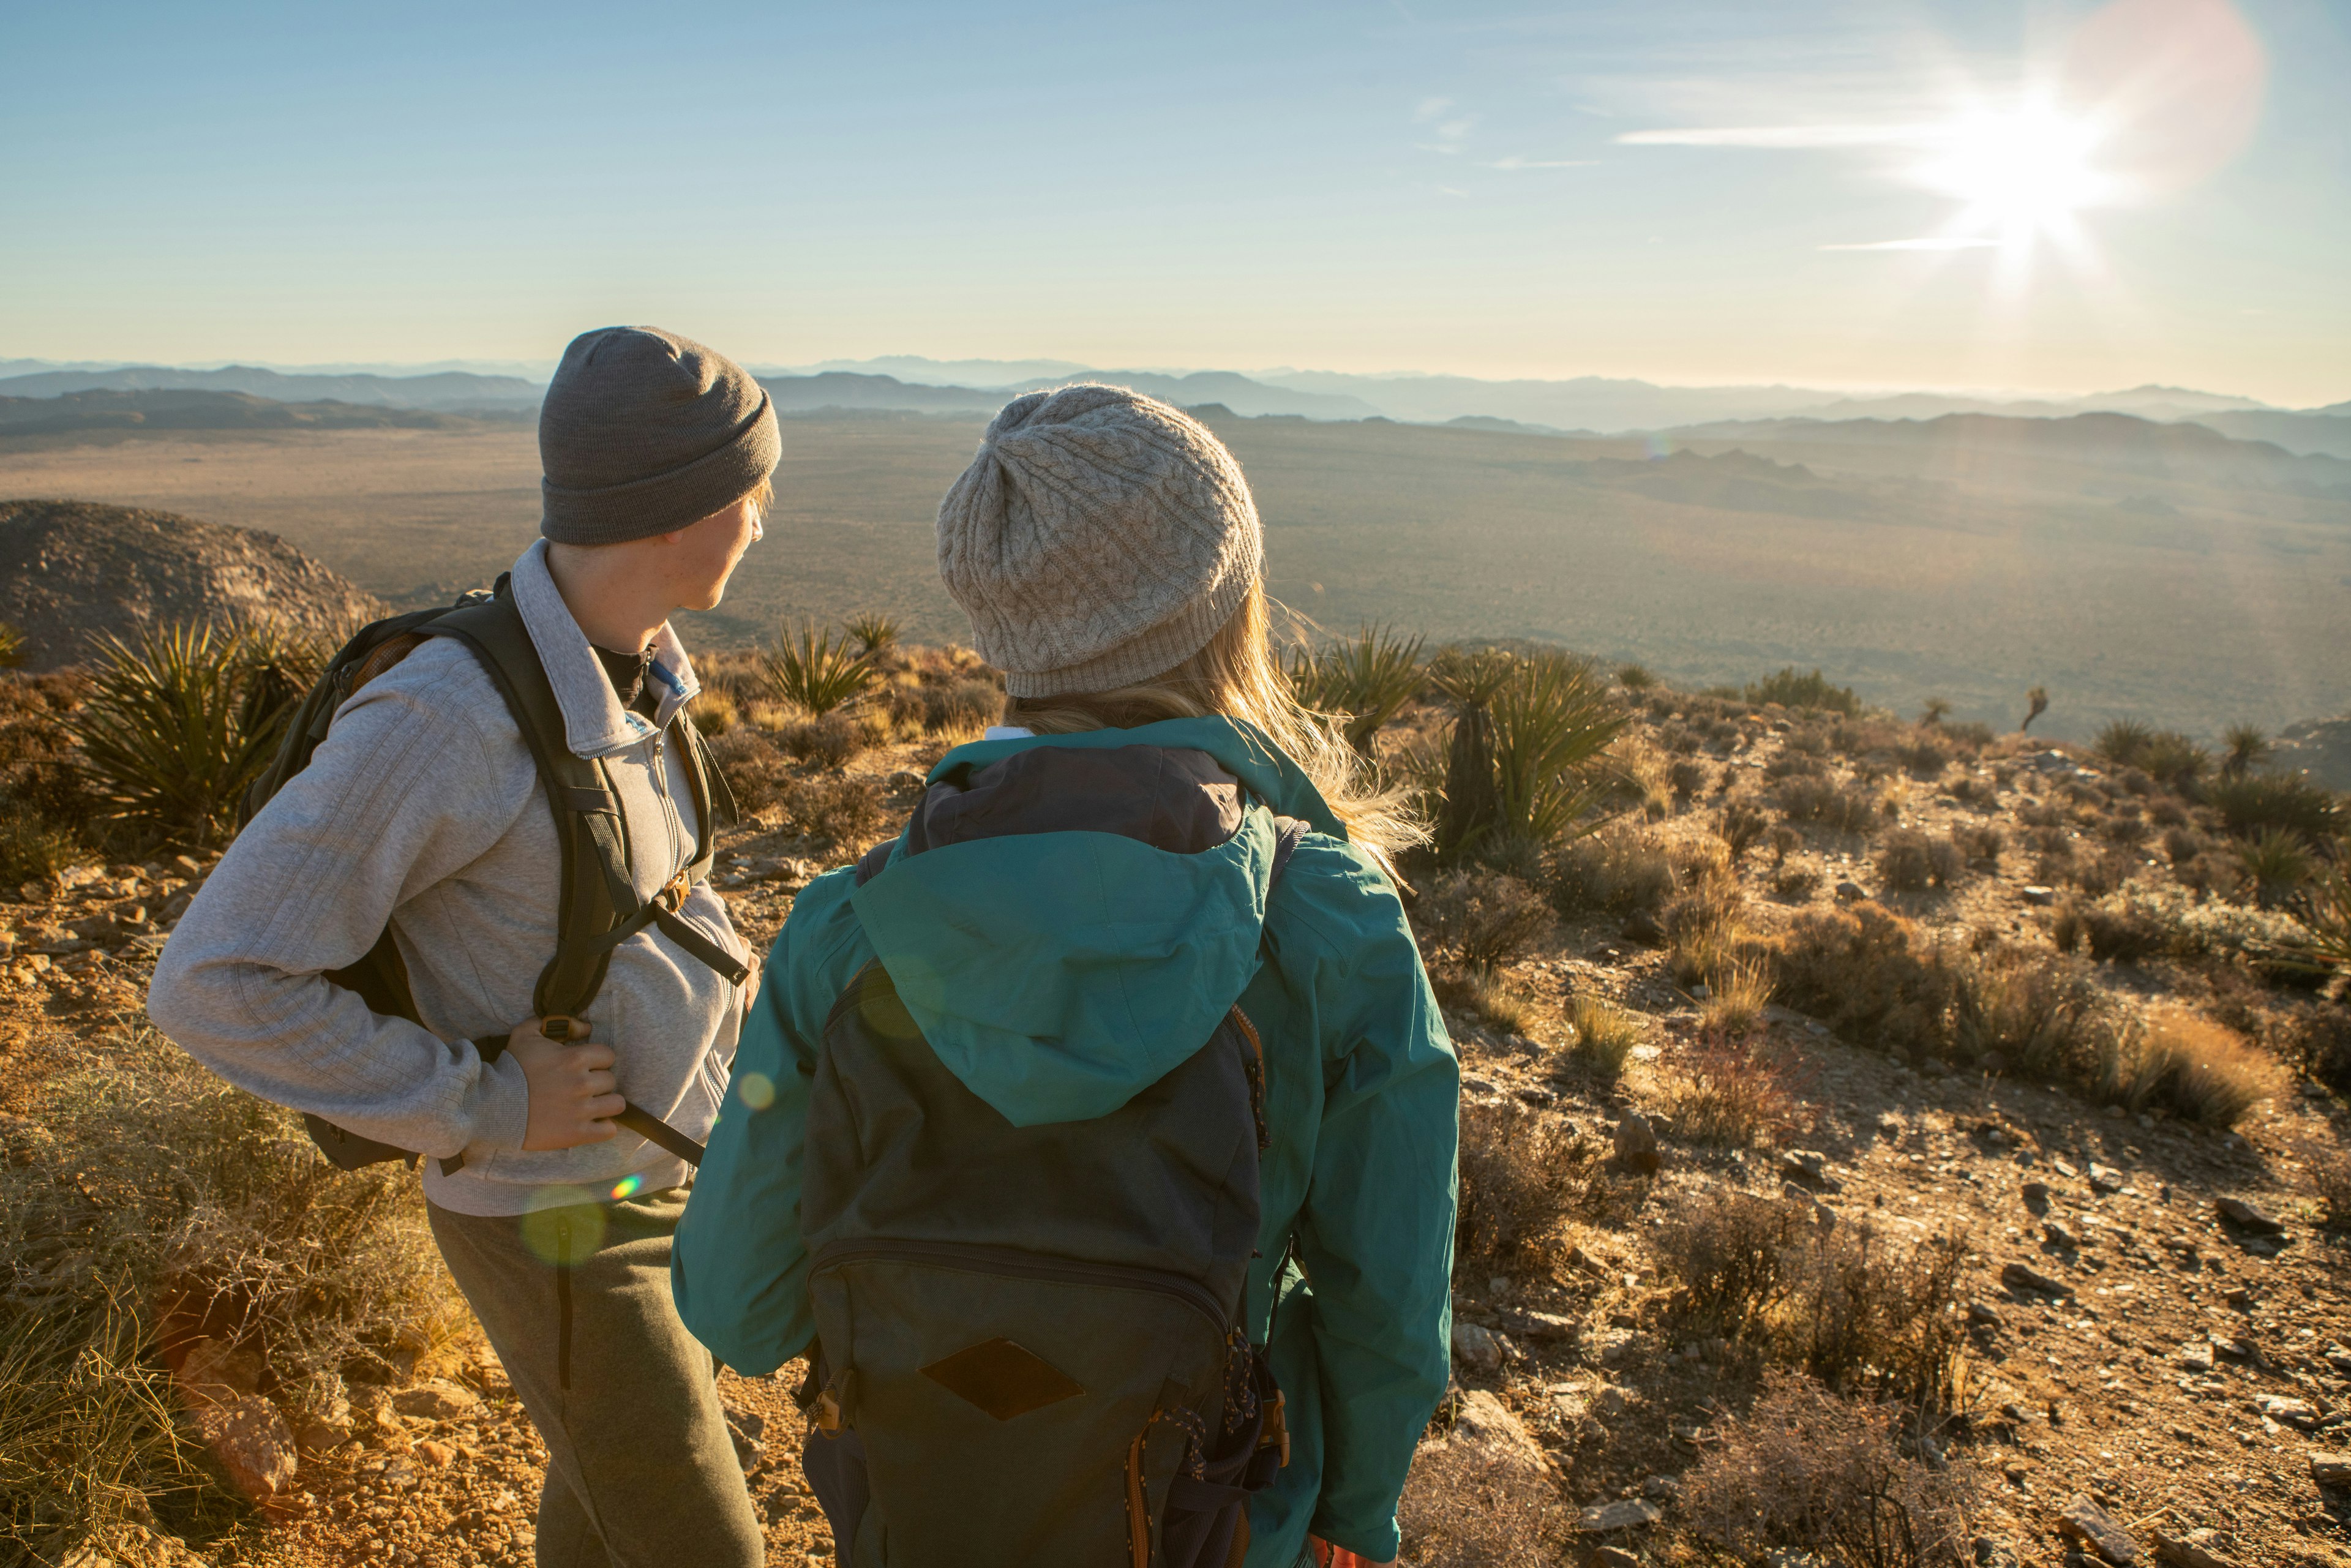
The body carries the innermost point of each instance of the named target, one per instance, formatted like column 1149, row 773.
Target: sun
column 2018, row 175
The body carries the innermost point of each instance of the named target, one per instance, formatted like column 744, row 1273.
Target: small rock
column 2036, row 1196
column 1479, row 1349
column 1984, row 1314
column 2061, row 1238
column 1544, row 1325
column 2339, row 1359
column 2245, row 1216
column 1804, row 1165
column 2085, row 1522
column 1637, row 1144
column 1610, row 1557
column 1660, row 1489
column 2021, row 1276
column 1625, row 1515
column 2289, row 1412
column 1493, row 1431
column 745, row 1427
column 2331, row 1470
column 437, row 1399
column 1644, row 927
column 1851, row 893
column 2179, row 1551
column 1989, row 1553
column 250, row 1437
column 2104, row 1178
column 2196, row 1355
column 2042, row 896
column 1612, row 1400
column 436, row 1453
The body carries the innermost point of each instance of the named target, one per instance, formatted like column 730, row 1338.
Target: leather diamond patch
column 1003, row 1379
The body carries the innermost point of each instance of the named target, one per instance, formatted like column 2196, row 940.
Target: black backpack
column 599, row 908
column 1029, row 1342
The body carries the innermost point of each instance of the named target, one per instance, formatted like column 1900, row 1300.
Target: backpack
column 599, row 908
column 1030, row 1345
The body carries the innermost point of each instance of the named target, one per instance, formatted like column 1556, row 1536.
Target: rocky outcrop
column 71, row 571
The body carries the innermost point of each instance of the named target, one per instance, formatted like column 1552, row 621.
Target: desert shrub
column 1688, row 776
column 1796, row 882
column 2327, row 1165
column 1790, row 689
column 2122, row 825
column 2275, row 863
column 1744, row 823
column 1618, row 870
column 1703, row 920
column 150, row 1199
column 1516, row 1170
column 1910, row 862
column 2110, row 930
column 1734, row 1092
column 2183, row 844
column 2188, row 1064
column 178, row 724
column 2124, row 740
column 2323, row 910
column 1865, row 971
column 715, row 711
column 1729, row 1254
column 1804, row 1472
column 1464, row 1508
column 2252, row 801
column 1605, row 1035
column 1635, row 678
column 836, row 809
column 874, row 632
column 1867, row 1310
column 810, row 670
column 32, row 849
column 754, row 767
column 1784, row 841
column 1927, row 753
column 2030, row 1011
column 1362, row 682
column 1839, row 808
column 1482, row 918
column 963, row 705
column 828, row 742
column 1978, row 843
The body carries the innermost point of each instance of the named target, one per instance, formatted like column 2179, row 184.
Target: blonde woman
column 976, row 1140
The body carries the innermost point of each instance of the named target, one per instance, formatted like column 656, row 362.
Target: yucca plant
column 2255, row 800
column 2036, row 703
column 281, row 664
column 2247, row 748
column 2275, row 863
column 1529, row 738
column 874, row 632
column 2323, row 907
column 1364, row 680
column 2124, row 741
column 14, row 648
column 811, row 669
column 166, row 735
column 1471, row 804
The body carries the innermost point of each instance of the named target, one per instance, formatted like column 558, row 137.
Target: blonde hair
column 1237, row 676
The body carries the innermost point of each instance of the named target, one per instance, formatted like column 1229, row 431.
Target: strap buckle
column 563, row 1026
column 674, row 891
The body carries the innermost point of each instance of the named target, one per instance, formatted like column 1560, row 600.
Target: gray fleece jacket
column 422, row 807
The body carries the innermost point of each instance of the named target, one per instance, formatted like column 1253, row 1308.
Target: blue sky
column 1667, row 189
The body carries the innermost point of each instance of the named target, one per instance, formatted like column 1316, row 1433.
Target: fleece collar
column 594, row 722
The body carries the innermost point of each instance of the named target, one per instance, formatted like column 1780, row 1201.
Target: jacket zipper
column 674, row 825
column 1019, row 1265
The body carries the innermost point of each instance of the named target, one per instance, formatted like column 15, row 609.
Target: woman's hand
column 572, row 1089
column 1326, row 1556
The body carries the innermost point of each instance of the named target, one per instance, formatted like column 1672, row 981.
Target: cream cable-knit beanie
column 1099, row 539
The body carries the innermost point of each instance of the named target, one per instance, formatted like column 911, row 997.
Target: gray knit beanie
column 644, row 432
column 1100, row 537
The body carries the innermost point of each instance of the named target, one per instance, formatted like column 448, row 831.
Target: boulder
column 1625, row 1515
column 1489, row 1429
column 250, row 1438
column 435, row 1399
column 1637, row 1144
column 2245, row 1216
column 2094, row 1527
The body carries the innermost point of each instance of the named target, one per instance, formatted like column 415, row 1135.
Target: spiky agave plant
column 164, row 732
column 2275, row 861
column 1364, row 681
column 1553, row 722
column 2246, row 749
column 2125, row 740
column 2323, row 907
column 874, row 632
column 810, row 669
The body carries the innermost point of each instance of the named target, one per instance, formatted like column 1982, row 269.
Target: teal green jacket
column 1056, row 975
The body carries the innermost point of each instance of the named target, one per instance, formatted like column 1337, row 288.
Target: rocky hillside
column 72, row 571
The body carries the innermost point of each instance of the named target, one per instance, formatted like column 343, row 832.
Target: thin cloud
column 1926, row 242
column 1515, row 162
column 1452, row 135
column 1776, row 136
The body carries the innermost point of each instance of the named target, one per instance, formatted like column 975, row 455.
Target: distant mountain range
column 453, row 391
column 178, row 409
column 908, row 383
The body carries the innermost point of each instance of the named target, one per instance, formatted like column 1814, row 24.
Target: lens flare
column 756, row 1090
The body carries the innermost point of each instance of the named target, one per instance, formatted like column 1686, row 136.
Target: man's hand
column 1326, row 1556
column 572, row 1089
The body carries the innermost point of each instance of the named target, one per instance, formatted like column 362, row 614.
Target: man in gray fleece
column 422, row 809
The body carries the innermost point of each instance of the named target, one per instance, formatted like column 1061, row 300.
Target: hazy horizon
column 2042, row 197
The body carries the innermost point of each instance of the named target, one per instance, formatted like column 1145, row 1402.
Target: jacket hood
column 1068, row 917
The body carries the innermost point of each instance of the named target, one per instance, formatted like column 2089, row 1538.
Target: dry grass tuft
column 1605, row 1035
column 832, row 741
column 1735, row 999
column 1839, row 808
column 1465, row 1508
column 1487, row 994
column 2190, row 1064
column 1805, row 1471
column 1617, row 870
column 1483, row 918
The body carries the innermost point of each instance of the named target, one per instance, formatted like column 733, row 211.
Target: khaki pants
column 640, row 1471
